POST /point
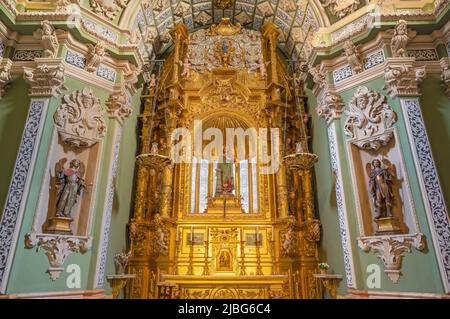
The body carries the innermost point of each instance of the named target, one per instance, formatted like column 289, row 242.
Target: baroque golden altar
column 207, row 230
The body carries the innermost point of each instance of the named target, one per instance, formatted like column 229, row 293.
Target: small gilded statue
column 380, row 188
column 69, row 184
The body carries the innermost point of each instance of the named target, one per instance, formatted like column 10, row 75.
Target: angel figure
column 380, row 188
column 95, row 56
column 69, row 184
column 353, row 56
column 49, row 40
column 400, row 39
column 261, row 67
column 187, row 67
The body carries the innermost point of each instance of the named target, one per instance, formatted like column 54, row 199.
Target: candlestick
column 273, row 232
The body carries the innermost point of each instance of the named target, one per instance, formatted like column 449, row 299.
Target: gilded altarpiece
column 209, row 229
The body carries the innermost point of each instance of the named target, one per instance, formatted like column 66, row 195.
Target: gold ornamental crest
column 223, row 4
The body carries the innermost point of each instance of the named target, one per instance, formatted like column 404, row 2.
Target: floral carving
column 45, row 80
column 341, row 8
column 318, row 75
column 391, row 250
column 331, row 106
column 108, row 8
column 369, row 118
column 403, row 80
column 118, row 105
column 79, row 120
column 57, row 248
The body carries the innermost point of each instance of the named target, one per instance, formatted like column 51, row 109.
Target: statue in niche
column 69, row 184
column 380, row 188
column 224, row 261
column 224, row 175
column 224, row 52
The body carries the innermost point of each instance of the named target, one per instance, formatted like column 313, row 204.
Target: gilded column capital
column 46, row 78
column 403, row 78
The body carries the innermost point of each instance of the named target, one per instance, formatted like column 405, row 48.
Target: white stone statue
column 400, row 39
column 353, row 56
column 49, row 40
column 95, row 56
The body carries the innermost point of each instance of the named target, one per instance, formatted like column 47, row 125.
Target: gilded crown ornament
column 225, row 28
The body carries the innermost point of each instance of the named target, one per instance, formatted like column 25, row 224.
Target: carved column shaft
column 308, row 200
column 46, row 80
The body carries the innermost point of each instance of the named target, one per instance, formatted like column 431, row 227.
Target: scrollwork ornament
column 369, row 118
column 108, row 8
column 341, row 8
column 79, row 120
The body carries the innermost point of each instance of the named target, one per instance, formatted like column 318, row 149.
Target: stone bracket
column 391, row 249
column 57, row 248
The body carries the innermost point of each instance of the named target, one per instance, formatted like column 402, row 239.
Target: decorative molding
column 318, row 75
column 403, row 80
column 5, row 75
column 340, row 200
column 330, row 106
column 445, row 75
column 423, row 54
column 437, row 214
column 79, row 120
column 49, row 39
column 376, row 294
column 75, row 59
column 341, row 8
column 374, row 59
column 368, row 119
column 342, row 74
column 2, row 48
column 391, row 250
column 11, row 218
column 119, row 104
column 27, row 55
column 400, row 38
column 353, row 56
column 108, row 8
column 57, row 248
column 106, row 73
column 46, row 79
column 106, row 221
